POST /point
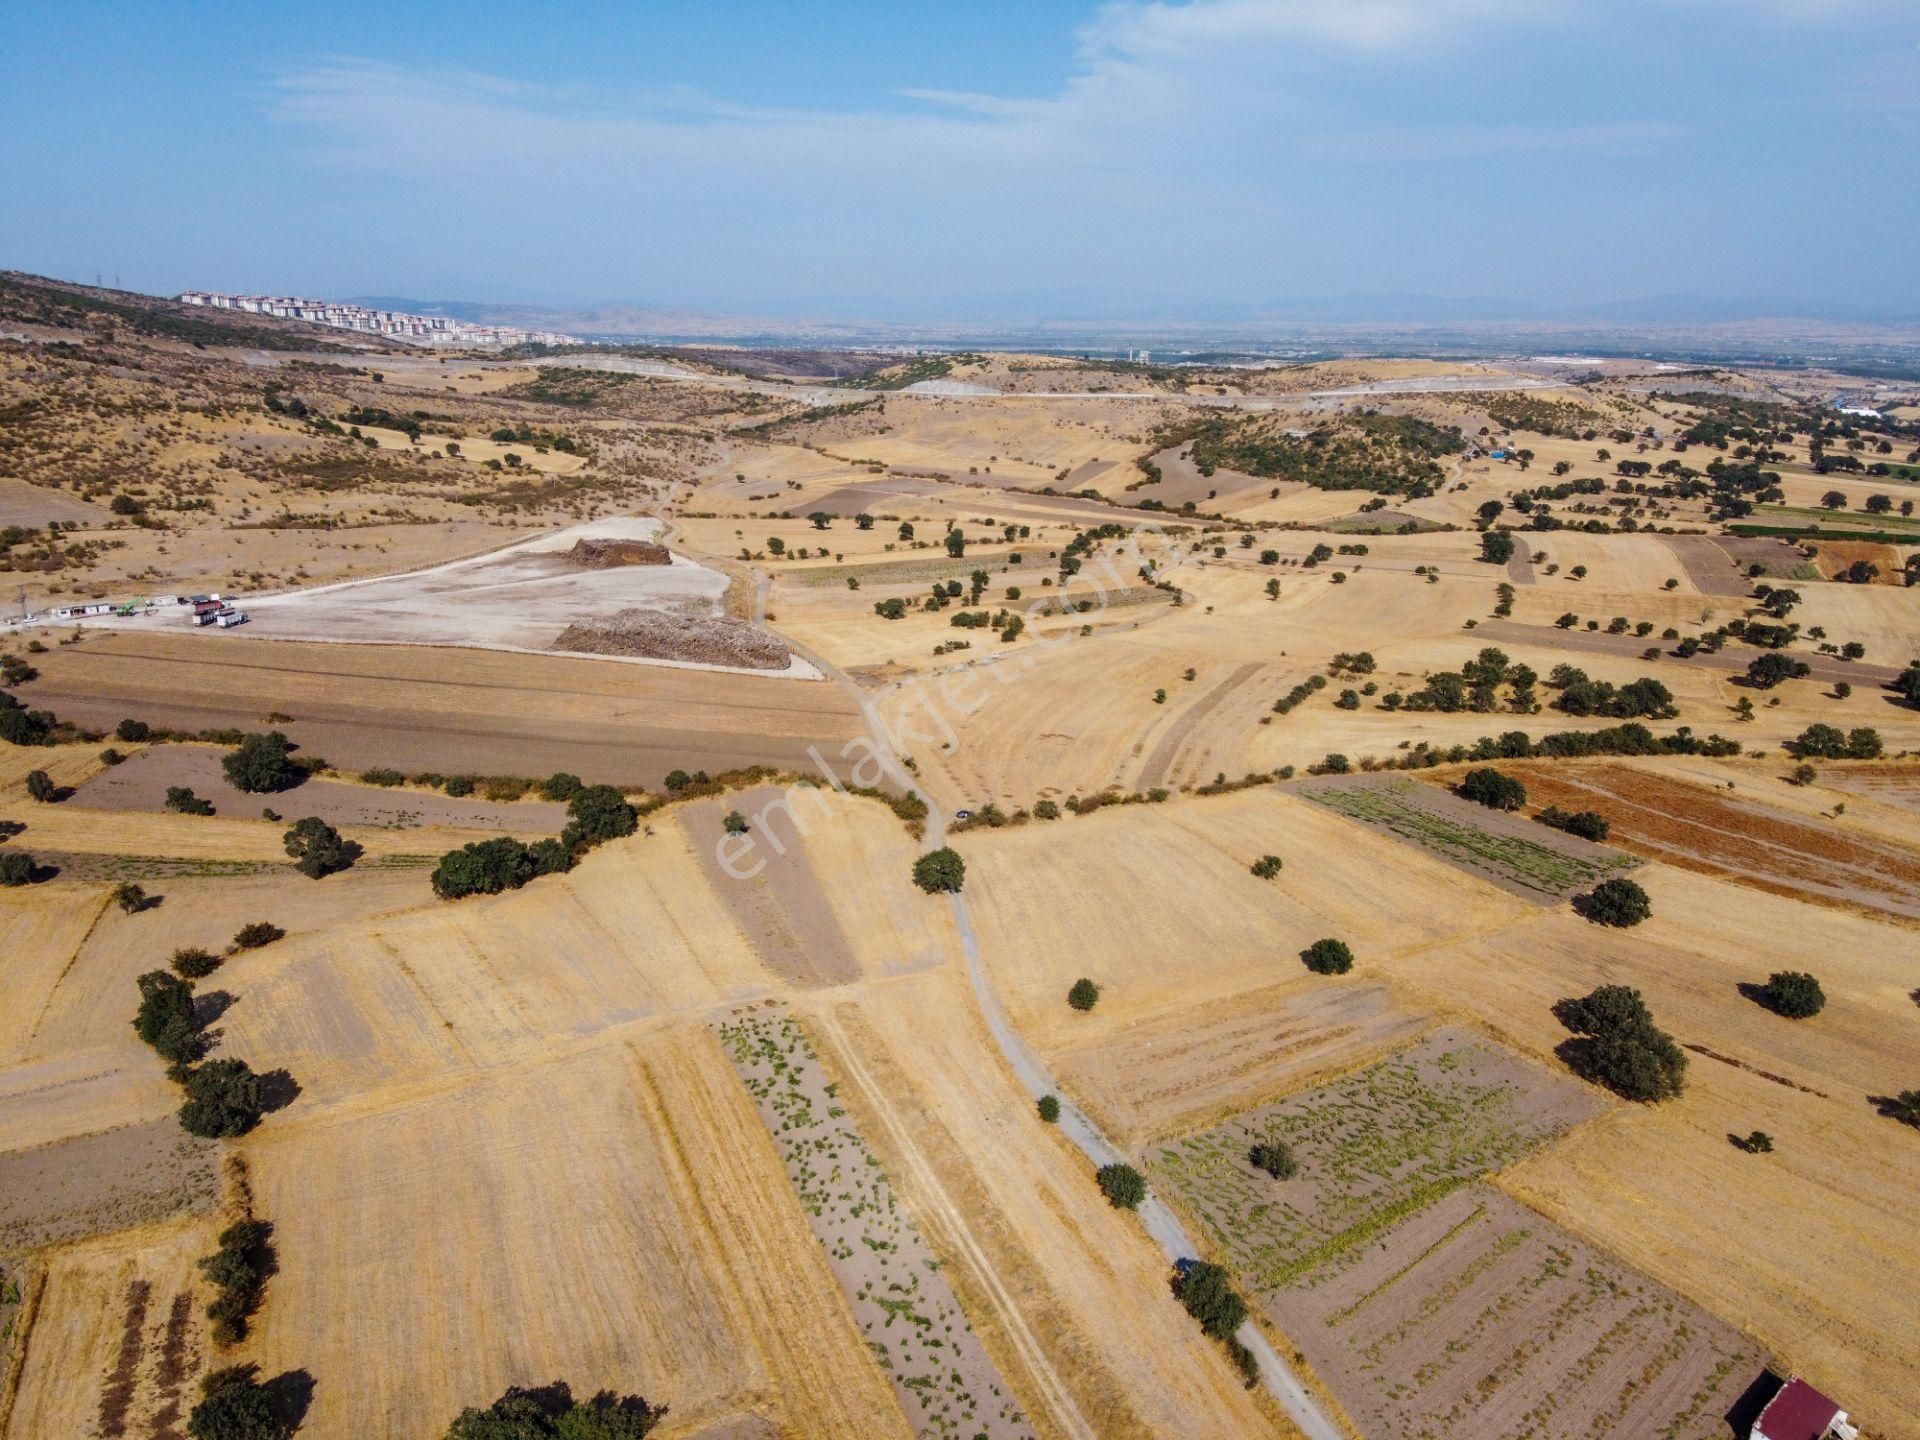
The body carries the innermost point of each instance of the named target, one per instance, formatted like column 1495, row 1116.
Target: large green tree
column 262, row 764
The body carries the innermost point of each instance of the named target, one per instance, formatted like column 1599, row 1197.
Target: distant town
column 397, row 324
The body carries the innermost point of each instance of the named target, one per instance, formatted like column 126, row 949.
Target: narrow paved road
column 1301, row 1407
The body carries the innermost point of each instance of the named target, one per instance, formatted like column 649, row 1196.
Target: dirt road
column 1286, row 1386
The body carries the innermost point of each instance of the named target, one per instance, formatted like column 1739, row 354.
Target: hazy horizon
column 1208, row 161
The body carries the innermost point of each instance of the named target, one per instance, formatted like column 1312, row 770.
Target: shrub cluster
column 940, row 870
column 223, row 1099
column 182, row 800
column 237, row 1270
column 1328, row 957
column 1618, row 1045
column 1826, row 742
column 316, row 848
column 596, row 814
column 551, row 1413
column 1274, row 1157
column 262, row 764
column 234, row 1405
column 257, row 934
column 1122, row 1185
column 1494, row 789
column 1579, row 694
column 1587, row 824
column 1301, row 692
column 1794, row 994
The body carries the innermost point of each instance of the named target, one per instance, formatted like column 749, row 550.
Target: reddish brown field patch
column 1693, row 828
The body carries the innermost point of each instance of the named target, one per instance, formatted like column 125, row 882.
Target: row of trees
column 595, row 814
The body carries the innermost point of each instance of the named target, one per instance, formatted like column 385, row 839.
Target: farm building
column 1800, row 1412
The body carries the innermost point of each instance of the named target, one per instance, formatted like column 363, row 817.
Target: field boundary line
column 67, row 969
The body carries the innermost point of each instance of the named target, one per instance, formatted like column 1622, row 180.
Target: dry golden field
column 507, row 1142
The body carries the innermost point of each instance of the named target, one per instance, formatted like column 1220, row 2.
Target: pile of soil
column 608, row 554
column 665, row 635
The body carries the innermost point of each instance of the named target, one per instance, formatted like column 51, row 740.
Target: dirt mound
column 608, row 554
column 664, row 635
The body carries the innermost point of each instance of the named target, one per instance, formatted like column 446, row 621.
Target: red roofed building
column 1800, row 1412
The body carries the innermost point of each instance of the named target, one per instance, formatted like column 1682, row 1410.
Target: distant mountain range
column 1084, row 320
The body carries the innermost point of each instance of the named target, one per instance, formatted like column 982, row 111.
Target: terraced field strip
column 1542, row 864
column 1477, row 1318
column 942, row 1375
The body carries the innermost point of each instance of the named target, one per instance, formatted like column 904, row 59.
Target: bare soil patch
column 781, row 909
column 1694, row 828
column 1714, row 570
column 94, row 1184
column 452, row 711
column 1521, row 857
column 142, row 782
column 666, row 635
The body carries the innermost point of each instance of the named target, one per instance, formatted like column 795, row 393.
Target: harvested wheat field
column 1185, row 922
column 1193, row 1065
column 113, row 1341
column 448, row 711
column 740, row 755
column 650, row 1244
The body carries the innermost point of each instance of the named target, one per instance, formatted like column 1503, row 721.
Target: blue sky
column 986, row 160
